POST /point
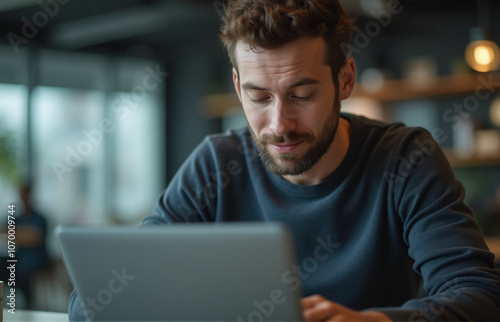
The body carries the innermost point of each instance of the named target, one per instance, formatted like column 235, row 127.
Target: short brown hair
column 269, row 24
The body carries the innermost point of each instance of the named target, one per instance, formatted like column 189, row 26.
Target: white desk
column 34, row 316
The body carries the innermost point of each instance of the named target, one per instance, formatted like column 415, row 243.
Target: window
column 12, row 140
column 97, row 135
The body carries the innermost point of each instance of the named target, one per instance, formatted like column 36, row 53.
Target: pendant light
column 482, row 53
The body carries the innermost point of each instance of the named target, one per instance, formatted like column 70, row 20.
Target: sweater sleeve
column 443, row 239
column 76, row 312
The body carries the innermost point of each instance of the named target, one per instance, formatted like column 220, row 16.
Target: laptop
column 211, row 272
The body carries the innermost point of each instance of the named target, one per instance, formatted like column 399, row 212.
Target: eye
column 259, row 100
column 301, row 98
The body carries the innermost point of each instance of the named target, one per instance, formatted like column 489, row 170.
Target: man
column 31, row 253
column 381, row 195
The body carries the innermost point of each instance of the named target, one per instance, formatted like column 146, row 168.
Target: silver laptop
column 210, row 272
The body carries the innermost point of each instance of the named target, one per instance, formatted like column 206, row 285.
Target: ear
column 347, row 79
column 236, row 83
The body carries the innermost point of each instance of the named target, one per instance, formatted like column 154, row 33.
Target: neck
column 328, row 162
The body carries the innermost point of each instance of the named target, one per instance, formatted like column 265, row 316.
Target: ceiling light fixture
column 482, row 53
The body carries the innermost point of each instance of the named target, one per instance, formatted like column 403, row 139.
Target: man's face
column 290, row 102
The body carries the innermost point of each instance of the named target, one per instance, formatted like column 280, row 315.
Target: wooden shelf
column 460, row 84
column 457, row 161
column 217, row 105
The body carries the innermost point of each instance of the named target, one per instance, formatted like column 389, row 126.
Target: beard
column 292, row 163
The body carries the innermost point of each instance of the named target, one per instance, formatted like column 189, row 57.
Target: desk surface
column 34, row 316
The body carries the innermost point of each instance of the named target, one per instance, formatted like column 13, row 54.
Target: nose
column 283, row 120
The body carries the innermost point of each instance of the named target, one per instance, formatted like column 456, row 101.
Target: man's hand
column 317, row 308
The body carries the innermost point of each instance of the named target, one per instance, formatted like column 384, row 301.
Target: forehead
column 306, row 55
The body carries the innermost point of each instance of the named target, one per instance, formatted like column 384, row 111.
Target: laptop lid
column 223, row 271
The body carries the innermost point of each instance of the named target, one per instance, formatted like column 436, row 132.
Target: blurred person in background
column 31, row 251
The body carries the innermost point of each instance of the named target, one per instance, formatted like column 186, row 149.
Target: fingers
column 317, row 308
column 310, row 301
column 322, row 311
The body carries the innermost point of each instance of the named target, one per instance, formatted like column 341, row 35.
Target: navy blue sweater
column 391, row 215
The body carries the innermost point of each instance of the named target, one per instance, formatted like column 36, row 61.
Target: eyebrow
column 303, row 81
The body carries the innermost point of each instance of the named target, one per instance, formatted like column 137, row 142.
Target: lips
column 286, row 147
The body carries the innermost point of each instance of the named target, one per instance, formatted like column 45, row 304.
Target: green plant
column 10, row 171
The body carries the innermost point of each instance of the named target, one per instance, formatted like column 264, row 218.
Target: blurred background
column 102, row 100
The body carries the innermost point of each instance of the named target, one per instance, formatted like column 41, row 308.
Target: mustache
column 291, row 137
